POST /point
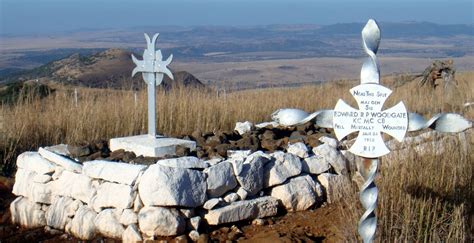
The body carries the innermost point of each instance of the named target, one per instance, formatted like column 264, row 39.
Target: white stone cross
column 152, row 68
column 370, row 120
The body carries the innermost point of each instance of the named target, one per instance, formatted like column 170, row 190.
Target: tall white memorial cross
column 152, row 68
column 370, row 121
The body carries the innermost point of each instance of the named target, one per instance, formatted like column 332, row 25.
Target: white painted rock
column 108, row 225
column 333, row 185
column 73, row 185
column 300, row 193
column 160, row 221
column 59, row 149
column 250, row 173
column 122, row 173
column 278, row 171
column 195, row 222
column 329, row 141
column 278, row 155
column 231, row 197
column 113, row 195
column 299, row 149
column 82, row 225
column 315, row 165
column 128, row 217
column 137, row 203
column 34, row 162
column 212, row 203
column 238, row 154
column 61, row 211
column 243, row 127
column 194, row 235
column 25, row 186
column 187, row 212
column 131, row 235
column 243, row 210
column 266, row 124
column 68, row 164
column 333, row 157
column 26, row 213
column 242, row 193
column 168, row 186
column 220, row 179
column 259, row 153
column 188, row 162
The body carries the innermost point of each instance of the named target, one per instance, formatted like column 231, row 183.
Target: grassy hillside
column 421, row 199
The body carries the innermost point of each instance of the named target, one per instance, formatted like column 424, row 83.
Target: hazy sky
column 48, row 16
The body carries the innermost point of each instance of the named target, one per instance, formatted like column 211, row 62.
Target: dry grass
column 421, row 199
column 428, row 198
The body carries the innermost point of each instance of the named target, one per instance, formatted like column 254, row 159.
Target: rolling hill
column 111, row 68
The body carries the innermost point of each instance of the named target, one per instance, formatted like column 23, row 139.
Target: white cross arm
column 161, row 66
column 395, row 121
column 343, row 119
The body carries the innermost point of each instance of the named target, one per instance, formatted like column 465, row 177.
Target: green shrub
column 21, row 90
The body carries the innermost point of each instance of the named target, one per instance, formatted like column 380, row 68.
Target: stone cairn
column 173, row 196
column 78, row 190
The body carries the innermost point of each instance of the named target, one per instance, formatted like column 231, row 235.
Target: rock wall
column 171, row 197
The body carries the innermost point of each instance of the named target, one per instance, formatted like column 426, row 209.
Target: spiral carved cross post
column 370, row 121
column 368, row 198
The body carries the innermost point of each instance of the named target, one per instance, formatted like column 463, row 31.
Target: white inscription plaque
column 370, row 120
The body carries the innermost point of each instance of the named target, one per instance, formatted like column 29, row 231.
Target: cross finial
column 152, row 63
column 152, row 68
column 370, row 72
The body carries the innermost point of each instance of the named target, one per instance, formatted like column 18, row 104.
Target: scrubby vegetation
column 18, row 92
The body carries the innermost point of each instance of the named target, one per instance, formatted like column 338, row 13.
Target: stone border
column 173, row 196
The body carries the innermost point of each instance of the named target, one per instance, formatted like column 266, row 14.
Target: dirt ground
column 324, row 224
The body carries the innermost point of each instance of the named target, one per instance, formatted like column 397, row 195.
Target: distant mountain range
column 111, row 68
column 308, row 40
column 402, row 30
column 86, row 57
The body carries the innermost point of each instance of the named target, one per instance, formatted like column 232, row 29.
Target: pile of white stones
column 173, row 196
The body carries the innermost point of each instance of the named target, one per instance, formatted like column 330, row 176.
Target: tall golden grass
column 421, row 199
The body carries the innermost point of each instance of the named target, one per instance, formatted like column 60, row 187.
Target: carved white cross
column 370, row 120
column 152, row 68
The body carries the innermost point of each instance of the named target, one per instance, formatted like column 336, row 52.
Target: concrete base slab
column 149, row 146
